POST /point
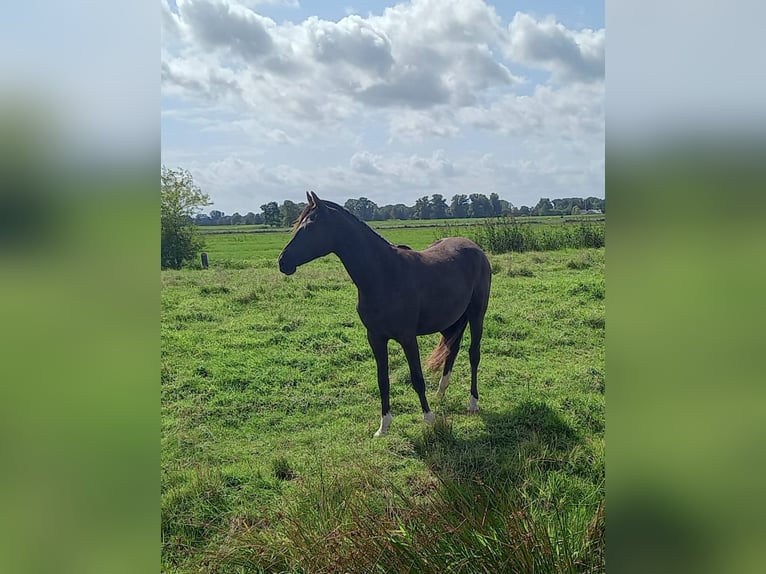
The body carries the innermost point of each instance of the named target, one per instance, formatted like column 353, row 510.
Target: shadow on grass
column 513, row 445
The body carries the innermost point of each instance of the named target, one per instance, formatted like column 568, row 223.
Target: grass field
column 406, row 223
column 270, row 400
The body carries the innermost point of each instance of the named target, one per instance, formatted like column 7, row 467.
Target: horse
column 402, row 293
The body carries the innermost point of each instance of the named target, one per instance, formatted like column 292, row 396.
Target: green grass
column 407, row 223
column 270, row 400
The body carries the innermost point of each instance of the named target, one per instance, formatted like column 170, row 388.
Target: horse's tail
column 441, row 352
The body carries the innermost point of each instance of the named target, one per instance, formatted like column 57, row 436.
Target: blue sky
column 263, row 100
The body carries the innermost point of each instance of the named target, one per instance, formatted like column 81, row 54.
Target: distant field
column 405, row 223
column 269, row 403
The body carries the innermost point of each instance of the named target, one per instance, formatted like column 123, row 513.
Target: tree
column 543, row 207
column 250, row 218
column 423, row 208
column 496, row 208
column 362, row 208
column 271, row 214
column 439, row 207
column 401, row 211
column 236, row 218
column 180, row 201
column 290, row 211
column 480, row 206
column 459, row 206
column 215, row 215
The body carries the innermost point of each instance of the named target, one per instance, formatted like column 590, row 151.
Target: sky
column 263, row 100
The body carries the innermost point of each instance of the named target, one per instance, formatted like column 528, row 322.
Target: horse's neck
column 364, row 254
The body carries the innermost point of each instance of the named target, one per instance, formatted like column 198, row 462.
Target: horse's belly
column 433, row 319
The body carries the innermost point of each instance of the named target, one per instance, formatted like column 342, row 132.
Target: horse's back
column 454, row 260
column 455, row 250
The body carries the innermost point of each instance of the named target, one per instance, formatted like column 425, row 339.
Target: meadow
column 270, row 401
column 406, row 223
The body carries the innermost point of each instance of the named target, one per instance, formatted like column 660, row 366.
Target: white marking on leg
column 429, row 417
column 473, row 404
column 385, row 422
column 443, row 384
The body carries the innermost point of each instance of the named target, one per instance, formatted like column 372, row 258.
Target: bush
column 507, row 234
column 181, row 199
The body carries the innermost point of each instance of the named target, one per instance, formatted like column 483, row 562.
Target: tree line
column 474, row 205
column 182, row 203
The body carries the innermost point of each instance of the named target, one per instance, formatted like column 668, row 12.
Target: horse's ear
column 310, row 200
column 315, row 199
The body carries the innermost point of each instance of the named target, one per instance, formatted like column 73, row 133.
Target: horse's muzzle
column 285, row 266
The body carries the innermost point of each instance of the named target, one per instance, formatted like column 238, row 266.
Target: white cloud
column 352, row 40
column 231, row 27
column 569, row 55
column 415, row 56
column 571, row 112
column 358, row 106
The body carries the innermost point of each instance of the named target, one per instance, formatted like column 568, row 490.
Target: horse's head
column 313, row 236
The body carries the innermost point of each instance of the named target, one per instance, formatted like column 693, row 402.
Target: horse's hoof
column 385, row 422
column 429, row 417
column 473, row 405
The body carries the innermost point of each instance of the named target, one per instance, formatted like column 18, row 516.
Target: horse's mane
column 342, row 211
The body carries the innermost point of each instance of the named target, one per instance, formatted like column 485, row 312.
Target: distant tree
column 459, row 206
column 215, row 216
column 505, row 208
column 180, row 200
column 439, row 208
column 384, row 212
column 495, row 207
column 524, row 210
column 562, row 205
column 595, row 203
column 480, row 206
column 352, row 205
column 249, row 218
column 422, row 208
column 576, row 210
column 543, row 207
column 236, row 218
column 202, row 219
column 401, row 211
column 289, row 212
column 271, row 215
column 363, row 208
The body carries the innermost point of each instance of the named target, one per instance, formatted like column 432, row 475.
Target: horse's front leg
column 412, row 353
column 380, row 350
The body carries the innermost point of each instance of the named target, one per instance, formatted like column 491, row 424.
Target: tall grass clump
column 460, row 527
column 507, row 234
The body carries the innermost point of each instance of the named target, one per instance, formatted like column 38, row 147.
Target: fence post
column 203, row 256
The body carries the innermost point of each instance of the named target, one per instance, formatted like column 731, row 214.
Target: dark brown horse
column 403, row 293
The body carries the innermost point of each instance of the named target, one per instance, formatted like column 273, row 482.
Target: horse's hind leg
column 476, row 320
column 452, row 335
column 412, row 353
